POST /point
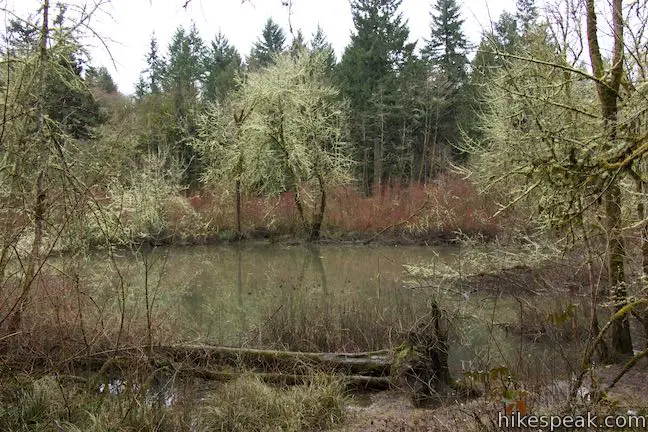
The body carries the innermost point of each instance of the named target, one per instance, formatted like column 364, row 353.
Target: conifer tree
column 184, row 68
column 71, row 105
column 271, row 43
column 527, row 15
column 182, row 76
column 101, row 78
column 369, row 78
column 320, row 45
column 446, row 55
column 503, row 39
column 222, row 63
column 447, row 47
column 155, row 67
column 298, row 44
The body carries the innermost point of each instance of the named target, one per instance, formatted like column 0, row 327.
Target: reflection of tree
column 239, row 285
column 194, row 301
column 239, row 275
column 316, row 256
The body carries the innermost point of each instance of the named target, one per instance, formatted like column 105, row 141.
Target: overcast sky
column 127, row 25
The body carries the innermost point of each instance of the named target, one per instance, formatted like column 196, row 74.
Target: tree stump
column 423, row 368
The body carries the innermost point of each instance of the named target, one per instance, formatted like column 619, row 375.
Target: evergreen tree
column 298, row 44
column 69, row 104
column 446, row 54
column 270, row 43
column 222, row 63
column 504, row 39
column 369, row 75
column 100, row 78
column 20, row 39
column 447, row 47
column 141, row 88
column 527, row 15
column 185, row 64
column 155, row 67
column 182, row 77
column 74, row 107
column 319, row 44
column 507, row 33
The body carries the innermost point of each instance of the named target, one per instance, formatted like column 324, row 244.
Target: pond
column 319, row 298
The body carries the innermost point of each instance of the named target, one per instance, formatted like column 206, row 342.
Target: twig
column 10, row 335
column 626, row 368
column 402, row 222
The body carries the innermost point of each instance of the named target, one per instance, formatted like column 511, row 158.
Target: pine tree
column 155, row 67
column 182, row 77
column 319, row 44
column 271, row 43
column 527, row 15
column 298, row 44
column 100, row 78
column 369, row 75
column 447, row 47
column 185, row 66
column 446, row 54
column 222, row 63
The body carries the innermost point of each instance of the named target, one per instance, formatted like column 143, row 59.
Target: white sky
column 127, row 25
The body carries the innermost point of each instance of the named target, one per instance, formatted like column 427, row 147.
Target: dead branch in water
column 368, row 364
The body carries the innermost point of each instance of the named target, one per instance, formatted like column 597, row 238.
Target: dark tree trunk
column 319, row 216
column 608, row 85
column 621, row 338
column 239, row 232
column 15, row 314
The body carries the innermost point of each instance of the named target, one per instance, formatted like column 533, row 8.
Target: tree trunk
column 641, row 215
column 378, row 168
column 299, row 205
column 378, row 150
column 350, row 382
column 621, row 339
column 369, row 364
column 607, row 87
column 424, row 150
column 425, row 367
column 319, row 216
column 239, row 233
column 39, row 184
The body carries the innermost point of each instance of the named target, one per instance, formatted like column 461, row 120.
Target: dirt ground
column 393, row 411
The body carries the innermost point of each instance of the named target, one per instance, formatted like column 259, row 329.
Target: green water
column 327, row 297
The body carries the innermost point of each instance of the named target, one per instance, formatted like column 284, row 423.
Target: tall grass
column 249, row 405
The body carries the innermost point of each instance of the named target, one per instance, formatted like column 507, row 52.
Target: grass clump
column 248, row 404
column 45, row 404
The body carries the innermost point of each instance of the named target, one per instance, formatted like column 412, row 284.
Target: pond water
column 318, row 298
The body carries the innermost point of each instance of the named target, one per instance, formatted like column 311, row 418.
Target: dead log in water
column 208, row 357
column 375, row 364
column 422, row 364
column 351, row 382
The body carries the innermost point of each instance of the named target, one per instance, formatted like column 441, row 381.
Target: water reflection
column 323, row 297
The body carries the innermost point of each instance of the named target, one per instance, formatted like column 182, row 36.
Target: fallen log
column 366, row 364
column 351, row 382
